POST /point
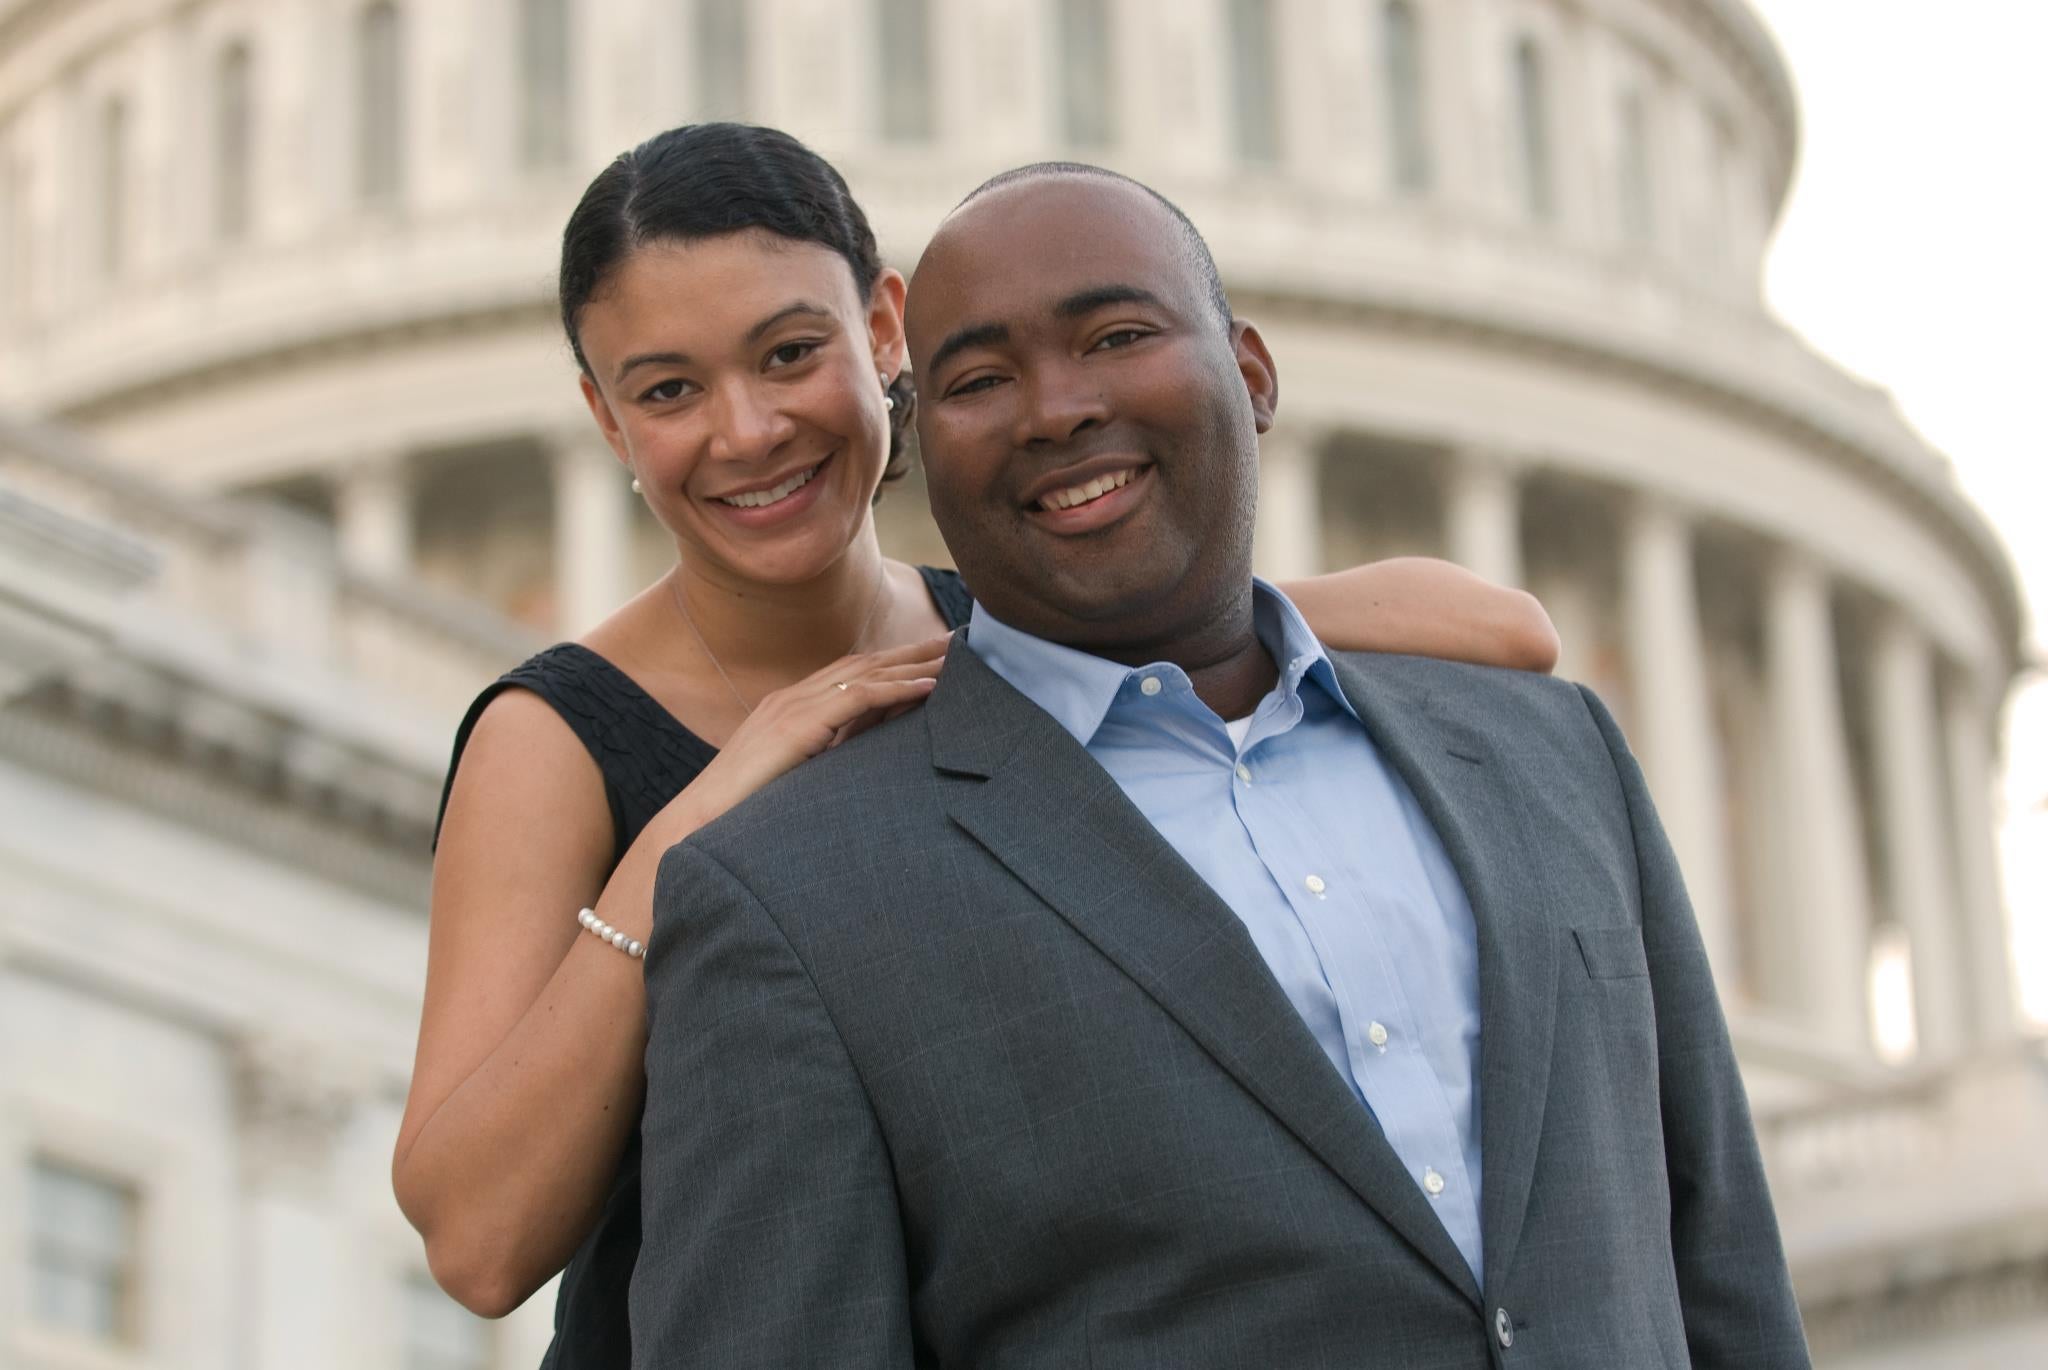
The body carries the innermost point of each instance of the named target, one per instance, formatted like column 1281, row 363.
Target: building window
column 380, row 105
column 722, row 59
column 1532, row 117
column 83, row 1254
column 543, row 83
column 906, row 37
column 233, row 142
column 111, row 177
column 1254, row 80
column 1407, row 102
column 440, row 1334
column 1083, row 61
column 1632, row 169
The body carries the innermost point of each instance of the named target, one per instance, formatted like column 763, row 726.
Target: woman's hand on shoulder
column 1421, row 606
column 819, row 712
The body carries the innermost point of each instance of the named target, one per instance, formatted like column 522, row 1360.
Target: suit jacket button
column 1503, row 1329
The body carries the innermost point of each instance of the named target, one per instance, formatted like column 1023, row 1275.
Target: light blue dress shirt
column 1318, row 846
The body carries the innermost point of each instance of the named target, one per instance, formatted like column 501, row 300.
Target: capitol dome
column 1507, row 254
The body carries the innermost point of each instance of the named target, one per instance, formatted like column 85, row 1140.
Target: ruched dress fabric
column 646, row 758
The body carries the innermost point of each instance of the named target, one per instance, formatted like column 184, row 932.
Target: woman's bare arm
column 527, row 1081
column 1420, row 606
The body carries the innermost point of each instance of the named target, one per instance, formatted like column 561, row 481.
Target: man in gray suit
column 1168, row 992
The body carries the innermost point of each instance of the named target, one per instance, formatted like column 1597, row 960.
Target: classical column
column 1673, row 714
column 293, row 1103
column 373, row 516
column 593, row 531
column 1290, row 524
column 1913, row 821
column 1987, row 946
column 1483, row 516
column 1819, row 902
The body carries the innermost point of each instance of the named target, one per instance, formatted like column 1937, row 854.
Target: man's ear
column 608, row 425
column 885, row 322
column 1261, row 377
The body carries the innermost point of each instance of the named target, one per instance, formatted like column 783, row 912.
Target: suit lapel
column 1480, row 813
column 1031, row 795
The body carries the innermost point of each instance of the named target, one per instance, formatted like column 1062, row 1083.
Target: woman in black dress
column 740, row 346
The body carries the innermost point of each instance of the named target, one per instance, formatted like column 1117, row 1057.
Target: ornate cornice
column 199, row 760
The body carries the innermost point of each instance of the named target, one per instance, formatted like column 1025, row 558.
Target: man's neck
column 1226, row 663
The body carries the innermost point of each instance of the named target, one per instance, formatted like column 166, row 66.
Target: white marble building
column 1508, row 255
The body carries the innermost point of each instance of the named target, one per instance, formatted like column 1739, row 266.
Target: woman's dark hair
column 707, row 180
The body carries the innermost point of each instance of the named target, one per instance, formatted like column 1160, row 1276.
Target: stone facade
column 275, row 291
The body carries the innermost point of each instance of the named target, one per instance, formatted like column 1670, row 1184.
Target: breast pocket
column 1612, row 953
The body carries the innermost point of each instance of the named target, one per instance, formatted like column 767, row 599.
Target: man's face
column 1088, row 424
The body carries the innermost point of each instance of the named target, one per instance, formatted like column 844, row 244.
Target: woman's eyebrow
column 795, row 309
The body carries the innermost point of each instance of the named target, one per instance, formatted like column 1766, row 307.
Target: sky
column 1914, row 251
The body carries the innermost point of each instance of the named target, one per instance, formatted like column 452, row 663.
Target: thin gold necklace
column 675, row 596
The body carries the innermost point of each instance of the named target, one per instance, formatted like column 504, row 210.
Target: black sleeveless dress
column 646, row 757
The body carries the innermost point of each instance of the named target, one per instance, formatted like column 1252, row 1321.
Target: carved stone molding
column 293, row 1097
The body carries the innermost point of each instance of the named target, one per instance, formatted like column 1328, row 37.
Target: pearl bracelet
column 598, row 927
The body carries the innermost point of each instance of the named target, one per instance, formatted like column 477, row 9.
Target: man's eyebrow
column 1084, row 302
column 960, row 339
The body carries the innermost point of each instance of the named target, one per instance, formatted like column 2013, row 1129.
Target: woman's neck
column 771, row 634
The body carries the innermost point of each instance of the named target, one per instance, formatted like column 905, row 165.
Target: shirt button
column 1149, row 685
column 1244, row 773
column 1503, row 1330
column 1315, row 885
column 1432, row 1182
column 1377, row 1035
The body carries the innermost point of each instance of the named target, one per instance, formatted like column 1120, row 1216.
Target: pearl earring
column 636, row 485
column 888, row 400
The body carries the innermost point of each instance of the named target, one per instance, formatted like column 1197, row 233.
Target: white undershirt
column 1238, row 728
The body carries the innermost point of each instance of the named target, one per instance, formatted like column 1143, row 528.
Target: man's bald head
column 1195, row 249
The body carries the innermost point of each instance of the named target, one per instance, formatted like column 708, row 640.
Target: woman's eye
column 1122, row 337
column 790, row 353
column 664, row 392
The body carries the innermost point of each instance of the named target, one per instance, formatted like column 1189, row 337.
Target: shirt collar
column 1078, row 689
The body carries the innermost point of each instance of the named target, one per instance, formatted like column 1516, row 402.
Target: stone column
column 1819, row 903
column 373, row 516
column 1987, row 945
column 292, row 1104
column 593, row 531
column 1674, row 722
column 1483, row 516
column 1290, row 523
column 1914, row 822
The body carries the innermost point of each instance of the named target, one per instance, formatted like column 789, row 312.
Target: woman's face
column 738, row 378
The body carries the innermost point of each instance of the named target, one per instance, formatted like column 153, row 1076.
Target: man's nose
column 746, row 424
column 1061, row 401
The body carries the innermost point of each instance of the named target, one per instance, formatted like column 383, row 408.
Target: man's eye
column 790, row 353
column 664, row 392
column 975, row 386
column 1122, row 337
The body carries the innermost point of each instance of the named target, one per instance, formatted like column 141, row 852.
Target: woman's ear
column 1261, row 377
column 607, row 424
column 885, row 322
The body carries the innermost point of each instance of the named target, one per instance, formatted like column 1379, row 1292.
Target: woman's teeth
column 1081, row 494
column 754, row 499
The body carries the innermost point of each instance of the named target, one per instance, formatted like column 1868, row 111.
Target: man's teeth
column 1081, row 494
column 754, row 499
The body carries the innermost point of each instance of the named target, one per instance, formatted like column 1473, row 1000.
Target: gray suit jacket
column 952, row 1061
